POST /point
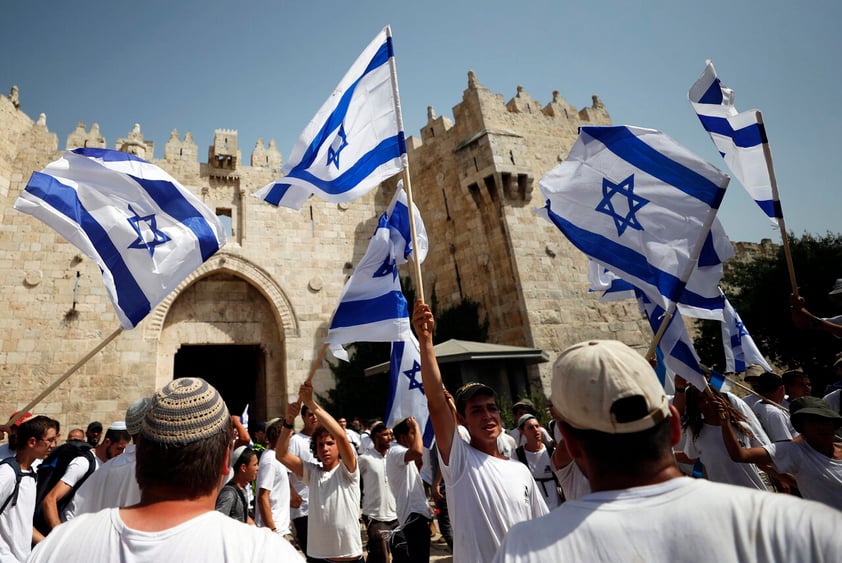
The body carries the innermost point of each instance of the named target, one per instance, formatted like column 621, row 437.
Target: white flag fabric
column 636, row 201
column 146, row 232
column 740, row 349
column 354, row 142
column 372, row 307
column 739, row 137
column 679, row 353
column 406, row 392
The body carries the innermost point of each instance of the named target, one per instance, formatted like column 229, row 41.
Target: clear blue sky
column 264, row 68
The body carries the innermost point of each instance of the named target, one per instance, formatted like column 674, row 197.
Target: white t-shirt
column 751, row 418
column 378, row 500
column 710, row 447
column 299, row 444
column 209, row 537
column 112, row 485
column 819, row 477
column 775, row 422
column 406, row 484
column 333, row 525
column 832, row 399
column 16, row 521
column 574, row 484
column 366, row 443
column 486, row 496
column 680, row 520
column 540, row 466
column 76, row 470
column 273, row 476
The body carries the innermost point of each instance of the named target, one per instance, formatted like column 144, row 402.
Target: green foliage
column 760, row 291
column 541, row 406
column 461, row 322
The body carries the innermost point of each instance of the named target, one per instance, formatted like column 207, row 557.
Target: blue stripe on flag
column 386, row 150
column 337, row 116
column 708, row 256
column 619, row 256
column 629, row 147
column 174, row 204
column 388, row 306
column 713, row 95
column 749, row 136
column 276, row 193
column 107, row 155
column 771, row 207
column 394, row 367
column 65, row 200
column 716, row 380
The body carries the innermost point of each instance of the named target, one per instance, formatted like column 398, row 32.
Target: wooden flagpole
column 67, row 374
column 767, row 153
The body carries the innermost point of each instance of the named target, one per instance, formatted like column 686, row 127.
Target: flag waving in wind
column 372, row 307
column 639, row 203
column 356, row 139
column 406, row 392
column 146, row 232
column 740, row 349
column 739, row 137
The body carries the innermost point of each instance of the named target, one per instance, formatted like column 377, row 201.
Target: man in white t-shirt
column 182, row 458
column 487, row 493
column 379, row 505
column 10, row 430
column 299, row 445
column 36, row 437
column 272, row 486
column 612, row 407
column 772, row 417
column 333, row 531
column 815, row 461
column 405, row 481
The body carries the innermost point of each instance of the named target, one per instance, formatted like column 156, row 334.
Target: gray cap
column 184, row 411
column 135, row 414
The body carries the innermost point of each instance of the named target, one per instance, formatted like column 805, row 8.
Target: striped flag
column 739, row 137
column 356, row 139
column 406, row 392
column 372, row 307
column 640, row 204
column 740, row 349
column 144, row 230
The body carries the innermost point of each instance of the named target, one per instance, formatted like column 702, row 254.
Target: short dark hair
column 244, row 459
column 186, row 472
column 304, row 410
column 640, row 451
column 318, row 433
column 117, row 436
column 35, row 427
column 401, row 429
column 273, row 432
column 378, row 427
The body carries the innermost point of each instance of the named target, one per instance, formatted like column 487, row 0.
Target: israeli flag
column 146, row 232
column 354, row 142
column 740, row 349
column 639, row 203
column 679, row 354
column 372, row 307
column 739, row 137
column 406, row 392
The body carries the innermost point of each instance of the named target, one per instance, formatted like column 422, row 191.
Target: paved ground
column 439, row 550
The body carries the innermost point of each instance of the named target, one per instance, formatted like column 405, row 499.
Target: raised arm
column 441, row 415
column 243, row 437
column 735, row 450
column 415, row 452
column 282, row 453
column 347, row 452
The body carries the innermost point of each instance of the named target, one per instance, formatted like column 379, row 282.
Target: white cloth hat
column 604, row 385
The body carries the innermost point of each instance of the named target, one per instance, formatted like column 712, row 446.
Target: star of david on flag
column 145, row 231
column 355, row 140
column 740, row 349
column 372, row 307
column 663, row 232
column 406, row 393
column 739, row 137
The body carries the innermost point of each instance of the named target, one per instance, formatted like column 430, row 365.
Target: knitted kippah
column 135, row 414
column 184, row 411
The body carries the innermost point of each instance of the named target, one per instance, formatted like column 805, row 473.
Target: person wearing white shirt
column 379, row 506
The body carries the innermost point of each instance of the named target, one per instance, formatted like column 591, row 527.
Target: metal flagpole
column 67, row 374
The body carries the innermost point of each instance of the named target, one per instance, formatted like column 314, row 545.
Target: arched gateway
column 227, row 323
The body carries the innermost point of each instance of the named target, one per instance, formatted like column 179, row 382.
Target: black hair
column 36, row 427
column 244, row 459
column 117, row 436
column 401, row 429
column 273, row 432
column 318, row 433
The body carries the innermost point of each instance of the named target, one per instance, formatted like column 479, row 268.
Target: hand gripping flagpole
column 767, row 153
column 107, row 340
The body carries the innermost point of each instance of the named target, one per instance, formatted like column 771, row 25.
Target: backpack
column 13, row 498
column 520, row 452
column 52, row 470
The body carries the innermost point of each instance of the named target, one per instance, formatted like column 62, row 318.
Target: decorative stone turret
column 223, row 155
column 135, row 144
column 261, row 157
column 80, row 138
column 177, row 150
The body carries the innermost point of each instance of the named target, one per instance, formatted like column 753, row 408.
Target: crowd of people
column 609, row 479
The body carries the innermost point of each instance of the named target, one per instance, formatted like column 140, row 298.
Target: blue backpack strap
column 13, row 498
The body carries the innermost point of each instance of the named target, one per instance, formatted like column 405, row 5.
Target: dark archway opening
column 234, row 370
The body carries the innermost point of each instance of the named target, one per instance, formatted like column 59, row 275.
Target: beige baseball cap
column 604, row 385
